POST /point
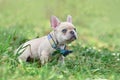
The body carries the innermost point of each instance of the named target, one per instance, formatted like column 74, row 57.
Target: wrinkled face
column 66, row 32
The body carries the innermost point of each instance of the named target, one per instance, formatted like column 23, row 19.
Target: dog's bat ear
column 54, row 22
column 69, row 18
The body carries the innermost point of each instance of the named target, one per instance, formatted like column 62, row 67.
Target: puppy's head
column 65, row 32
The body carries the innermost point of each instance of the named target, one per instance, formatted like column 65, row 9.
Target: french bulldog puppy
column 42, row 48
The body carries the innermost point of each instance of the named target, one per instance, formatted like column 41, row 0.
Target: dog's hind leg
column 26, row 53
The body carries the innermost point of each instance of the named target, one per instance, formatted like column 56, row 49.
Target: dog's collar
column 52, row 41
column 54, row 45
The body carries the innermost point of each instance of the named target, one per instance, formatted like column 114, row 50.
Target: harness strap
column 64, row 52
column 52, row 42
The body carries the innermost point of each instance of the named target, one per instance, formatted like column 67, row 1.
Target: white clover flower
column 87, row 50
column 90, row 48
column 94, row 47
column 117, row 54
column 69, row 44
column 118, row 59
column 113, row 54
column 99, row 50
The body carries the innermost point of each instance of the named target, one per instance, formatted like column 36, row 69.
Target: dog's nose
column 72, row 32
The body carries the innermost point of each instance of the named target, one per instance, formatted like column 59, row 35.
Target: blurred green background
column 97, row 21
column 96, row 51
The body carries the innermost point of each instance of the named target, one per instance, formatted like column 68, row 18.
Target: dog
column 42, row 48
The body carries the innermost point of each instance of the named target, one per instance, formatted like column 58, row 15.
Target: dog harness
column 64, row 52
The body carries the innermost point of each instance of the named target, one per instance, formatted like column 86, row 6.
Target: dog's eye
column 64, row 30
column 75, row 29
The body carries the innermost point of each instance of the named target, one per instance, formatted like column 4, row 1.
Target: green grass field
column 96, row 51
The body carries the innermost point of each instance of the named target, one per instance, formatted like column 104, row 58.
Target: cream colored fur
column 41, row 48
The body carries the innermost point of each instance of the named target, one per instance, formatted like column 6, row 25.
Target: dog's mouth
column 72, row 38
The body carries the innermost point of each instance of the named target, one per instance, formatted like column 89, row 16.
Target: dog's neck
column 58, row 44
column 61, row 48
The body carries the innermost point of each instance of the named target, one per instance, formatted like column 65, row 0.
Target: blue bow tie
column 64, row 52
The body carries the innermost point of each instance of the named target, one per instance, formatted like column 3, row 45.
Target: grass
column 96, row 51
